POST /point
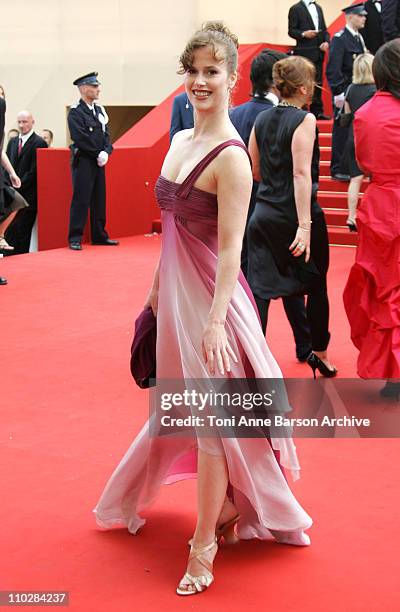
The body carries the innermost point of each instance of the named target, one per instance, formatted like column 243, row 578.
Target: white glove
column 102, row 158
column 339, row 100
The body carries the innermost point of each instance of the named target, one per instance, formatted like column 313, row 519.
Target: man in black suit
column 21, row 152
column 181, row 116
column 307, row 26
column 372, row 32
column 391, row 19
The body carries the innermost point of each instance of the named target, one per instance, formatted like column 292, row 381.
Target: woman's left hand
column 216, row 348
column 301, row 243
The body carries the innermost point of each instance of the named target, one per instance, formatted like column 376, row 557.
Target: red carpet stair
column 332, row 194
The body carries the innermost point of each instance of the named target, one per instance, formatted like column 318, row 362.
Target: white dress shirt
column 312, row 9
column 24, row 137
column 378, row 5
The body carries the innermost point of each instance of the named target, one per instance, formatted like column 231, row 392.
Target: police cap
column 356, row 9
column 87, row 79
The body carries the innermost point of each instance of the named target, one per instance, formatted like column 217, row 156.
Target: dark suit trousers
column 89, row 191
column 18, row 234
column 317, row 107
column 339, row 140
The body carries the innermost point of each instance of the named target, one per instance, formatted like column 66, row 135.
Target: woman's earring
column 187, row 103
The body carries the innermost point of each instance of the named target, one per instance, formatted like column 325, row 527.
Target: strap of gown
column 186, row 186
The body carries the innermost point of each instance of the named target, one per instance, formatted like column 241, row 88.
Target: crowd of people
column 18, row 182
column 207, row 181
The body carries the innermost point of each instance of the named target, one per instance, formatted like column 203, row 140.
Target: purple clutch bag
column 143, row 350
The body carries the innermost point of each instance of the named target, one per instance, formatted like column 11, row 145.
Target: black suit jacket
column 372, row 33
column 25, row 165
column 300, row 20
column 181, row 117
column 390, row 19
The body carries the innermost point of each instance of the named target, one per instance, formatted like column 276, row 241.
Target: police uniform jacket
column 88, row 130
column 300, row 20
column 343, row 51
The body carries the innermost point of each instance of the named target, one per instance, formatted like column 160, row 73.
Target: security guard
column 345, row 46
column 87, row 122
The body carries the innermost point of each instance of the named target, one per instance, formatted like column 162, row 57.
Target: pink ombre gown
column 187, row 278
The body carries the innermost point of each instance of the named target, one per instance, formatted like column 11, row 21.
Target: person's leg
column 83, row 179
column 352, row 197
column 3, row 228
column 316, row 106
column 339, row 139
column 212, row 483
column 295, row 310
column 98, row 208
column 262, row 307
column 18, row 234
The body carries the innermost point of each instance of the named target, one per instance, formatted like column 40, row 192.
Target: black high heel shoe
column 391, row 389
column 316, row 363
column 352, row 226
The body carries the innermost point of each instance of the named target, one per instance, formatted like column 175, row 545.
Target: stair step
column 325, row 127
column 342, row 237
column 325, row 140
column 326, row 153
column 336, row 216
column 326, row 183
column 329, row 199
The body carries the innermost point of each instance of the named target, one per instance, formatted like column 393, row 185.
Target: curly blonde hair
column 223, row 43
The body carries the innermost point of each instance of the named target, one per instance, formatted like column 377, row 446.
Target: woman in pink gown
column 372, row 293
column 207, row 325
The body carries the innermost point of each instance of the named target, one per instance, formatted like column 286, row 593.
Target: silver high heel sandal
column 202, row 582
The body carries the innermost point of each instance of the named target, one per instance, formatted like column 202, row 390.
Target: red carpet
column 70, row 410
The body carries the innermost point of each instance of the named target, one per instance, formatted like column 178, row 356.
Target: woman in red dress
column 372, row 293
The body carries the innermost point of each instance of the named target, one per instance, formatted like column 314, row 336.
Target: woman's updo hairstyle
column 291, row 73
column 386, row 68
column 219, row 38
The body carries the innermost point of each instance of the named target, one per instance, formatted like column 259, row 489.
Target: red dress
column 372, row 293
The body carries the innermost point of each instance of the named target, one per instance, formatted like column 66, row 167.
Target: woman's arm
column 152, row 297
column 255, row 155
column 302, row 150
column 5, row 162
column 234, row 183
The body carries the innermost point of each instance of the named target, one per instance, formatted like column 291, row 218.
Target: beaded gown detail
column 188, row 265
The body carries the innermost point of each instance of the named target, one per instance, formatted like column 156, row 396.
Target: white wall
column 134, row 45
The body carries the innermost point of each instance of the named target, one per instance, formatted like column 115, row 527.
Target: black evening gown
column 273, row 271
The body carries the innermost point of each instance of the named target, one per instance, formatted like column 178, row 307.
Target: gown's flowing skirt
column 260, row 491
column 372, row 293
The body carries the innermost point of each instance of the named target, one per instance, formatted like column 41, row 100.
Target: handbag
column 143, row 349
column 345, row 119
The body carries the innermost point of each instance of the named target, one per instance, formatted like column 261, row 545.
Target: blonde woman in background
column 360, row 91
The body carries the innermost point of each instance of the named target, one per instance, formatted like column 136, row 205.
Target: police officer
column 87, row 122
column 345, row 47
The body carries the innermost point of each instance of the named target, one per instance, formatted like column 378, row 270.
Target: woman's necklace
column 287, row 104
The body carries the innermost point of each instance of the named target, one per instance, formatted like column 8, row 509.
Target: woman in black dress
column 360, row 91
column 287, row 235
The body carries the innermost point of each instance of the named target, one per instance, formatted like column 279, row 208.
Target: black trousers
column 339, row 140
column 317, row 107
column 18, row 234
column 89, row 191
column 296, row 313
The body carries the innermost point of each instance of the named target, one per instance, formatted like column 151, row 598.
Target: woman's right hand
column 15, row 181
column 152, row 301
column 301, row 243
